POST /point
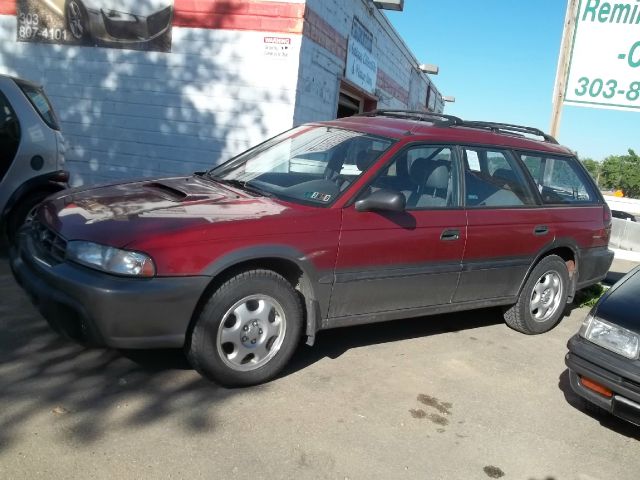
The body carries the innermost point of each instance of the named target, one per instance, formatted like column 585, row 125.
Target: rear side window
column 494, row 179
column 41, row 103
column 9, row 134
column 559, row 180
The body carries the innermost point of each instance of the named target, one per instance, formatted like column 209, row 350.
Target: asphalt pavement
column 456, row 396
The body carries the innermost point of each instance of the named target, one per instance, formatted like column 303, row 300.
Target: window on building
column 559, row 180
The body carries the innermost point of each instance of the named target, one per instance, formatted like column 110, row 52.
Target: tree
column 622, row 172
column 593, row 167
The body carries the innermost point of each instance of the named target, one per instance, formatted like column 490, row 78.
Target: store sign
column 362, row 67
column 604, row 69
column 129, row 24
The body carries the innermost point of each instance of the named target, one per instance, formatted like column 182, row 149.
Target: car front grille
column 48, row 243
column 159, row 21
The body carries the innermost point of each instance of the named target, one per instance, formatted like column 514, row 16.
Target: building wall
column 127, row 113
column 327, row 26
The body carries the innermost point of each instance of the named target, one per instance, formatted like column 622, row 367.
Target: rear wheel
column 248, row 329
column 23, row 214
column 542, row 299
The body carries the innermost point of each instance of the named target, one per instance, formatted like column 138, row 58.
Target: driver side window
column 426, row 175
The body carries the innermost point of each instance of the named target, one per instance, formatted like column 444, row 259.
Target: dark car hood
column 621, row 304
column 123, row 213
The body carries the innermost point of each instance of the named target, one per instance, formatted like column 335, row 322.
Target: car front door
column 403, row 261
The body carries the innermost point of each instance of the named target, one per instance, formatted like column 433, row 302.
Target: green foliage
column 622, row 172
column 592, row 166
column 588, row 297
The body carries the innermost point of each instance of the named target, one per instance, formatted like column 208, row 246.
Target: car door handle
column 541, row 230
column 449, row 235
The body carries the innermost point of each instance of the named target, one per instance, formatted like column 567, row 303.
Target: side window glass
column 494, row 179
column 559, row 180
column 426, row 176
column 9, row 134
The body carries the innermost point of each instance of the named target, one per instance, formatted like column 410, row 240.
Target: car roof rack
column 442, row 120
column 438, row 119
column 509, row 128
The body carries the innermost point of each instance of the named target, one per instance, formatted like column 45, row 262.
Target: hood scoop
column 166, row 191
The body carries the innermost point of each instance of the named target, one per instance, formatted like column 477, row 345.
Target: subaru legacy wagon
column 382, row 216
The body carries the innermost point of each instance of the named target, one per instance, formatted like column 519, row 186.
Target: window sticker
column 323, row 197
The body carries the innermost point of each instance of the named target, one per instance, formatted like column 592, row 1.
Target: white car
column 116, row 21
column 31, row 154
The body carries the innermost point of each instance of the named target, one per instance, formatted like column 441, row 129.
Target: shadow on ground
column 90, row 392
column 334, row 343
column 604, row 418
column 87, row 392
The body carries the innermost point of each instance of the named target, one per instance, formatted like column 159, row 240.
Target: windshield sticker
column 323, row 197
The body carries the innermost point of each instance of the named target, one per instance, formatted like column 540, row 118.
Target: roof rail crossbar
column 510, row 128
column 439, row 119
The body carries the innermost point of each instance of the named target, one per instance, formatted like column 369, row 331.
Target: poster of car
column 127, row 24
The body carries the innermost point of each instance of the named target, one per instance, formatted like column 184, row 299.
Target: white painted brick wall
column 320, row 70
column 126, row 113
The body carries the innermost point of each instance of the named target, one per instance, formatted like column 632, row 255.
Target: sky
column 498, row 58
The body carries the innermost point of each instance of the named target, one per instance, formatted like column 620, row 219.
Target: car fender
column 562, row 242
column 317, row 286
column 49, row 182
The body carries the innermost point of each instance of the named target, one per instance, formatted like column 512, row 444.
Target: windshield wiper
column 242, row 185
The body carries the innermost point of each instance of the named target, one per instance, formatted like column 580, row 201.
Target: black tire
column 203, row 349
column 70, row 7
column 521, row 316
column 21, row 214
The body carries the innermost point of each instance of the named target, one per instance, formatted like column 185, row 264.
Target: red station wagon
column 387, row 215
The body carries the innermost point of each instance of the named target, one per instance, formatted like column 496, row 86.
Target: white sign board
column 362, row 67
column 604, row 70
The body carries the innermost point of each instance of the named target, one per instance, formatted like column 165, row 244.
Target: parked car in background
column 604, row 356
column 31, row 154
column 623, row 215
column 387, row 215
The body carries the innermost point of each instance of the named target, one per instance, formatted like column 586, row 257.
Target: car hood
column 621, row 304
column 121, row 214
column 137, row 7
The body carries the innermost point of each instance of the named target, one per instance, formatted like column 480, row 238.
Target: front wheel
column 248, row 329
column 542, row 299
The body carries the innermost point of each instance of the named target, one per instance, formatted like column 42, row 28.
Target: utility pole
column 563, row 66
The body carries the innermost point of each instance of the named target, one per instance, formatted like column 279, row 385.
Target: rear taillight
column 606, row 216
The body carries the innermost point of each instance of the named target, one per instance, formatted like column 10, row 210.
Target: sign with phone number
column 604, row 70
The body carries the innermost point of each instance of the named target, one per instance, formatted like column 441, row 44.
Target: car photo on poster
column 131, row 24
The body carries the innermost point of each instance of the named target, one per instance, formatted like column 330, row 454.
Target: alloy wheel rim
column 546, row 296
column 75, row 20
column 251, row 332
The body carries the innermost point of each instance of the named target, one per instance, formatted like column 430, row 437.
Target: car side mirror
column 383, row 200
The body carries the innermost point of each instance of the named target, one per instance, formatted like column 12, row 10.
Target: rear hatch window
column 40, row 102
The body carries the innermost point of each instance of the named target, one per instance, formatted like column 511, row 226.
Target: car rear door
column 390, row 261
column 507, row 227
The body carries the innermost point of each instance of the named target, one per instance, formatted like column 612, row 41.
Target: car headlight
column 612, row 337
column 111, row 260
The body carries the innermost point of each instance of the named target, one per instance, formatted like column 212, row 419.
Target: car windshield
column 311, row 165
